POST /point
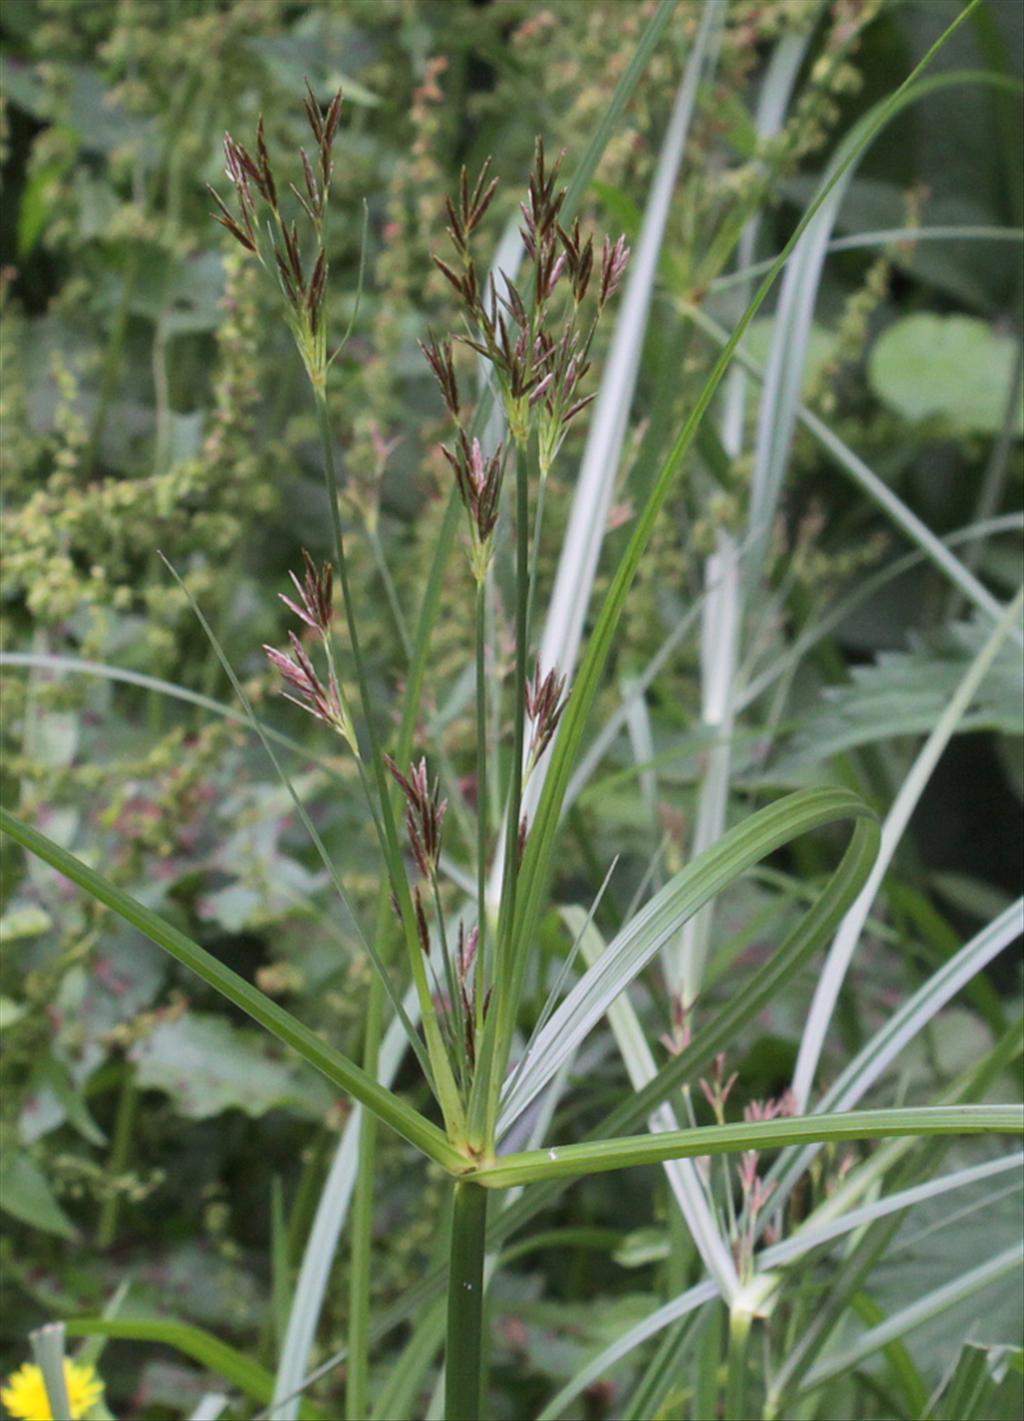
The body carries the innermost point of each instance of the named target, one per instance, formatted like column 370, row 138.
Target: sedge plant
column 456, row 981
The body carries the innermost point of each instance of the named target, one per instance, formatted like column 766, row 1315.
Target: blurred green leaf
column 206, row 1066
column 24, row 920
column 986, row 1385
column 34, row 212
column 905, row 693
column 26, row 1195
column 10, row 1012
column 954, row 369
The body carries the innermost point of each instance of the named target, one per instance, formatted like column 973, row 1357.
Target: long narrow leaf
column 280, row 1023
column 757, row 837
column 722, row 627
column 202, row 1347
column 78, row 665
column 681, row 1174
column 972, row 1083
column 814, row 1234
column 595, row 484
column 869, row 483
column 600, row 1156
column 328, row 1222
column 771, row 1258
column 903, row 1026
column 539, row 856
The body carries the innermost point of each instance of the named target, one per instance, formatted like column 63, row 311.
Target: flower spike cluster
column 544, row 706
column 315, row 608
column 424, row 814
column 253, row 177
column 539, row 354
column 479, row 480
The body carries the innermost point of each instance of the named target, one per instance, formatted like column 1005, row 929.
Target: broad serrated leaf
column 905, row 693
column 207, row 1066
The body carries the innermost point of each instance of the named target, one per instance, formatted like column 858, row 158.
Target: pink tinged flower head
column 424, row 814
column 325, row 702
column 315, row 606
column 614, row 260
column 544, row 706
column 479, row 480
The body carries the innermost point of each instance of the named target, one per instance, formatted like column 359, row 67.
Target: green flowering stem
column 124, row 1125
column 464, row 1353
column 518, row 690
column 357, row 1373
column 447, row 1090
column 538, row 523
column 487, row 1082
column 737, row 1366
column 481, row 803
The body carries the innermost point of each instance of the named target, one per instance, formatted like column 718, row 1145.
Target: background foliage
column 152, row 402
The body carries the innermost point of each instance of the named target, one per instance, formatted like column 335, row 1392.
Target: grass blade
column 869, row 483
column 539, row 856
column 681, row 1174
column 588, row 517
column 48, row 1350
column 322, row 1244
column 906, row 1023
column 79, row 666
column 758, row 836
column 280, row 1023
column 813, row 1234
column 776, row 1256
column 249, row 1377
column 600, row 1156
column 308, row 825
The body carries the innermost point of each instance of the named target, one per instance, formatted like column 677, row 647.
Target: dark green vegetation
column 783, row 800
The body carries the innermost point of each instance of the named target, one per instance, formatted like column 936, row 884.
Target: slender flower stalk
column 480, row 627
column 537, row 340
column 513, row 829
column 305, row 310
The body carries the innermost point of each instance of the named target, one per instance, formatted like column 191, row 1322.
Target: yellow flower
column 25, row 1394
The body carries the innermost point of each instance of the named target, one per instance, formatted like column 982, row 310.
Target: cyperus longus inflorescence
column 253, row 178
column 537, row 344
column 315, row 608
column 535, row 334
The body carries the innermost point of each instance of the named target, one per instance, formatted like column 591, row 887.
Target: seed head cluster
column 307, row 688
column 479, row 480
column 537, row 345
column 255, row 184
column 424, row 814
column 545, row 703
